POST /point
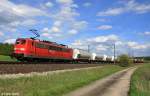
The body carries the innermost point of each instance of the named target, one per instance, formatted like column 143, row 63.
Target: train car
column 105, row 57
column 93, row 56
column 101, row 59
column 110, row 59
column 29, row 49
column 33, row 49
column 80, row 55
column 138, row 60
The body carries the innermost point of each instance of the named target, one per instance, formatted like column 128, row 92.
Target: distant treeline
column 147, row 58
column 6, row 49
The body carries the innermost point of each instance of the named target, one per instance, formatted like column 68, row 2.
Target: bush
column 6, row 49
column 125, row 60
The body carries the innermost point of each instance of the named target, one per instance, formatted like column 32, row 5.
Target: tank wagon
column 29, row 49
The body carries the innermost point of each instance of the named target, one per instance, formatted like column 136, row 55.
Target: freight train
column 30, row 49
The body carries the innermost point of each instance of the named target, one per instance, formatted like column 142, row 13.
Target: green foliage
column 147, row 58
column 6, row 58
column 140, row 81
column 55, row 84
column 6, row 49
column 125, row 60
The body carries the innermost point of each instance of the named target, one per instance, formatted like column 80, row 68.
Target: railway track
column 27, row 67
column 9, row 62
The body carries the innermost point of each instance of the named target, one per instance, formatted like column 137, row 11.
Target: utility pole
column 114, row 53
column 132, row 53
column 88, row 48
column 113, row 47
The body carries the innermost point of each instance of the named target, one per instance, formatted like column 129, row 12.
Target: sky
column 79, row 23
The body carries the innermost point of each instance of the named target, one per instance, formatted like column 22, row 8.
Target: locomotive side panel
column 41, row 50
column 30, row 48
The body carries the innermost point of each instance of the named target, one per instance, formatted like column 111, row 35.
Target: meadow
column 55, row 84
column 6, row 58
column 140, row 82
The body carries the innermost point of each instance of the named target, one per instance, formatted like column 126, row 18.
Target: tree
column 6, row 49
column 125, row 60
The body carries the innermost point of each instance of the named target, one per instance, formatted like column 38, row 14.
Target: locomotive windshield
column 20, row 41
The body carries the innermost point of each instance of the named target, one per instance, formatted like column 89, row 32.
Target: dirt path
column 114, row 85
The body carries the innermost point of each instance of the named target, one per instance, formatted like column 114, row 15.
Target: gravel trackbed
column 28, row 68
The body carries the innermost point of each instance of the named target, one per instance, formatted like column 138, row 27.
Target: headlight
column 22, row 49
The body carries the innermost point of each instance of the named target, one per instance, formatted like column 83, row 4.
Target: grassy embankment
column 6, row 58
column 55, row 84
column 140, row 82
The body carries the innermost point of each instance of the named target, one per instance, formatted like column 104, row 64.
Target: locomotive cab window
column 20, row 41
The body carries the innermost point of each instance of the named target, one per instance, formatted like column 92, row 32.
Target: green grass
column 6, row 58
column 55, row 84
column 140, row 81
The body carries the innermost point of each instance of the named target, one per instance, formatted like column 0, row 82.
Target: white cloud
column 45, row 30
column 12, row 26
column 101, row 48
column 10, row 41
column 29, row 22
column 11, row 9
column 15, row 15
column 87, row 4
column 66, row 13
column 104, row 27
column 104, row 45
column 119, row 43
column 102, row 39
column 64, row 20
column 49, row 4
column 55, row 29
column 77, row 43
column 27, row 11
column 147, row 33
column 78, row 25
column 53, row 32
column 102, row 20
column 100, row 44
column 137, row 7
column 73, row 31
column 132, row 44
column 135, row 45
column 20, row 10
column 57, row 35
column 1, row 34
column 45, row 34
column 65, row 1
column 111, row 11
column 58, row 23
column 130, row 6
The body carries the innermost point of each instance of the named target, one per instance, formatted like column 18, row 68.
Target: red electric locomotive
column 27, row 49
